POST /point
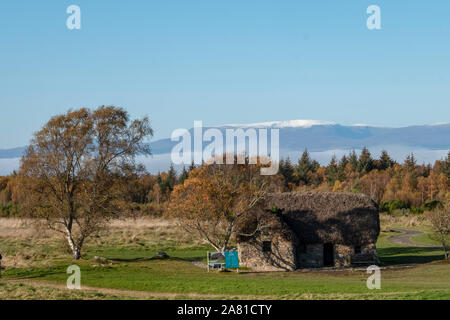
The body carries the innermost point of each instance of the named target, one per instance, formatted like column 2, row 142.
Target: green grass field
column 411, row 273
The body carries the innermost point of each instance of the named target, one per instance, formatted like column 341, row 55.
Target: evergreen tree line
column 392, row 185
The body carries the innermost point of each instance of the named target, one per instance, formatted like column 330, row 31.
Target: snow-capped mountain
column 282, row 124
column 321, row 138
column 297, row 135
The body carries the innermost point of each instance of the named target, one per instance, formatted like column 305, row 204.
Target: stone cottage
column 310, row 230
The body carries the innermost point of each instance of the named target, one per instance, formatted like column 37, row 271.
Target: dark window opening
column 302, row 248
column 328, row 254
column 357, row 249
column 267, row 246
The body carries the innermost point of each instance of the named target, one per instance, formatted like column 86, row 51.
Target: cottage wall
column 310, row 256
column 285, row 256
column 280, row 258
column 343, row 255
column 367, row 256
column 300, row 226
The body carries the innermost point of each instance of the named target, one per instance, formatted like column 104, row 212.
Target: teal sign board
column 231, row 259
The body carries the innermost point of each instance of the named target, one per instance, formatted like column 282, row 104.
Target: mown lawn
column 393, row 254
column 425, row 239
column 133, row 271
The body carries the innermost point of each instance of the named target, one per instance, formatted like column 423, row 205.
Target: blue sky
column 224, row 62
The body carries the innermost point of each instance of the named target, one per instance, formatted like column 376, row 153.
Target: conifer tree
column 410, row 162
column 286, row 169
column 191, row 167
column 171, row 179
column 304, row 167
column 332, row 171
column 385, row 160
column 365, row 161
column 446, row 166
column 183, row 176
column 341, row 168
column 353, row 160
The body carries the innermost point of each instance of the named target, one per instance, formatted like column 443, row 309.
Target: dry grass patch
column 28, row 243
column 388, row 222
column 145, row 232
column 22, row 291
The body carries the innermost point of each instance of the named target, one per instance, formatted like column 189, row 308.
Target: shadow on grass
column 408, row 255
column 190, row 259
column 34, row 275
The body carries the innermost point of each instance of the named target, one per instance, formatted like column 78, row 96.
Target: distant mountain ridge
column 323, row 137
column 12, row 153
column 317, row 136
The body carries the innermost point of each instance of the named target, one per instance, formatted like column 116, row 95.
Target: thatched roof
column 321, row 217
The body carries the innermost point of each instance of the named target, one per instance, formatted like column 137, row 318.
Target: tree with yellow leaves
column 74, row 168
column 374, row 184
column 216, row 198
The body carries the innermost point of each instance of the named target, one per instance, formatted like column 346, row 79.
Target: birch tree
column 74, row 166
column 440, row 222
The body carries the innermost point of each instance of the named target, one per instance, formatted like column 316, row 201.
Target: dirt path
column 142, row 295
column 404, row 239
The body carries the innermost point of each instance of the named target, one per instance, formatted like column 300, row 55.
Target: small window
column 357, row 249
column 302, row 248
column 267, row 246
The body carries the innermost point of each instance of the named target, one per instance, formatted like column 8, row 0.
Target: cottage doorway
column 328, row 255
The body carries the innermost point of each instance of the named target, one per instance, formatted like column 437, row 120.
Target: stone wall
column 280, row 258
column 310, row 256
column 285, row 256
column 367, row 256
column 343, row 255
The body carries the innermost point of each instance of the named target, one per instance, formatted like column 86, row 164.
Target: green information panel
column 231, row 259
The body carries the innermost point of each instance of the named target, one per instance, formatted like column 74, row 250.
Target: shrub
column 392, row 205
column 9, row 210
